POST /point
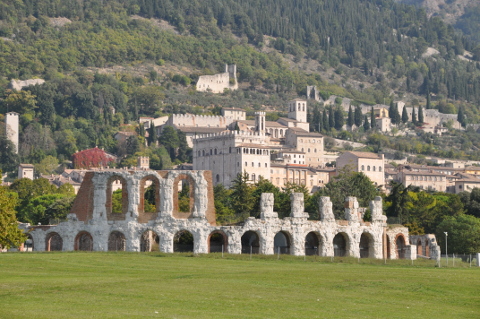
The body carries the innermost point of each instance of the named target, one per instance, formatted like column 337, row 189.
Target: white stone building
column 217, row 83
column 26, row 171
column 12, row 128
column 371, row 164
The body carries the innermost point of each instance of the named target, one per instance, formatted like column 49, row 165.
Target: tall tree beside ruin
column 339, row 119
column 414, row 116
column 358, row 116
column 404, row 115
column 420, row 115
column 461, row 117
column 10, row 234
column 366, row 123
column 373, row 123
column 242, row 196
column 326, row 125
column 350, row 120
column 331, row 118
column 316, row 120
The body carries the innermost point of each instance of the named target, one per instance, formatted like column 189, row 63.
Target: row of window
column 373, row 168
column 214, row 151
column 311, row 140
column 426, row 178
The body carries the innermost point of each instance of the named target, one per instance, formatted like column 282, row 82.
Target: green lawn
column 138, row 285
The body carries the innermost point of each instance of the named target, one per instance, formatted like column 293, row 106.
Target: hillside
column 108, row 62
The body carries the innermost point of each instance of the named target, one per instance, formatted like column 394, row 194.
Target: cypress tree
column 339, row 119
column 391, row 113
column 414, row 116
column 429, row 106
column 420, row 115
column 317, row 118
column 358, row 116
column 404, row 115
column 325, row 121
column 350, row 121
column 373, row 124
column 331, row 118
column 366, row 125
column 461, row 116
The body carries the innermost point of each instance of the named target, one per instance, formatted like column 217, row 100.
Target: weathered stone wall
column 92, row 226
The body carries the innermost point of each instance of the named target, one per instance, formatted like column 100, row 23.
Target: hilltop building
column 217, row 83
column 12, row 128
column 26, row 171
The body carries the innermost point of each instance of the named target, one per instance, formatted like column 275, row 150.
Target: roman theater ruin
column 95, row 225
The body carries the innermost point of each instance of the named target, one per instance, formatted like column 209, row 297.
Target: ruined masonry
column 93, row 225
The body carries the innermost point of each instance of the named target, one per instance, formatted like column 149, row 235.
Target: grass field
column 139, row 285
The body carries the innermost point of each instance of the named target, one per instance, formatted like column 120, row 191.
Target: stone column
column 351, row 210
column 266, row 206
column 297, row 206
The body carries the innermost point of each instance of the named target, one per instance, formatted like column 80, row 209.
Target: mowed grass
column 155, row 285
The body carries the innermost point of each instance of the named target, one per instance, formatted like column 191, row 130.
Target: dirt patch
column 59, row 22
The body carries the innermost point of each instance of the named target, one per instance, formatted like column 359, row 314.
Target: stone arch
column 366, row 245
column 116, row 241
column 341, row 245
column 84, row 241
column 250, row 242
column 53, row 242
column 282, row 243
column 183, row 241
column 149, row 241
column 427, row 249
column 149, row 199
column 419, row 247
column 116, row 208
column 216, row 240
column 180, row 199
column 400, row 246
column 313, row 244
column 29, row 244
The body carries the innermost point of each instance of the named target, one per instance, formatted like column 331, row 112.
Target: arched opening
column 117, row 198
column 312, row 244
column 28, row 245
column 217, row 242
column 53, row 242
column 400, row 243
column 149, row 241
column 84, row 241
column 183, row 242
column 366, row 246
column 340, row 245
column 281, row 243
column 116, row 241
column 389, row 255
column 150, row 198
column 419, row 248
column 250, row 243
column 183, row 198
column 427, row 249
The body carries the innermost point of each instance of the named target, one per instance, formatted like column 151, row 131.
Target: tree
column 461, row 117
column 169, row 139
column 396, row 202
column 242, row 196
column 373, row 123
column 414, row 116
column 404, row 114
column 8, row 158
column 366, row 123
column 429, row 105
column 10, row 234
column 339, row 119
column 224, row 212
column 326, row 125
column 463, row 234
column 349, row 183
column 358, row 116
column 420, row 115
column 317, row 119
column 331, row 118
column 350, row 120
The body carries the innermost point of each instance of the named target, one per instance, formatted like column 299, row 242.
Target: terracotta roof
column 365, row 155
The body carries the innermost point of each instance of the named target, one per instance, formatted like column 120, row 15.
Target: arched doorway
column 366, row 246
column 281, row 243
column 116, row 241
column 312, row 244
column 183, row 242
column 149, row 241
column 419, row 248
column 84, row 241
column 53, row 242
column 250, row 243
column 400, row 243
column 217, row 242
column 340, row 245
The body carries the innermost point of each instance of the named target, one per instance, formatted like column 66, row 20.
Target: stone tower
column 11, row 127
column 297, row 110
column 260, row 122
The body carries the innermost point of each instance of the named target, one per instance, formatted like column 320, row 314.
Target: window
column 374, row 168
column 266, row 165
column 246, row 164
column 379, row 168
column 368, row 168
column 259, row 164
column 253, row 164
column 363, row 167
